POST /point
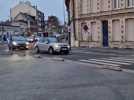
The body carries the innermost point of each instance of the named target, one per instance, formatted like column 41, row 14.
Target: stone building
column 102, row 23
column 26, row 22
column 27, row 13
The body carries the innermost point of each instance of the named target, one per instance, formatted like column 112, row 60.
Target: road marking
column 99, row 63
column 121, row 60
column 95, row 53
column 108, row 61
column 111, row 61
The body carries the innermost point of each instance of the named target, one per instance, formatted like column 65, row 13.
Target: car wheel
column 36, row 50
column 50, row 50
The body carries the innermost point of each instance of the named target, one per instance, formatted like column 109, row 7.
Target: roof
column 25, row 15
column 30, row 5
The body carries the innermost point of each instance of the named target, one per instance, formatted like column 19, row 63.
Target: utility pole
column 64, row 15
column 73, row 19
column 69, row 23
column 67, row 2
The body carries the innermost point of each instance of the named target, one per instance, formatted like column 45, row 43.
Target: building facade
column 102, row 23
column 26, row 22
column 25, row 9
column 11, row 29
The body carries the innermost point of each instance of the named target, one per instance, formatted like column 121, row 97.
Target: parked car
column 18, row 42
column 51, row 45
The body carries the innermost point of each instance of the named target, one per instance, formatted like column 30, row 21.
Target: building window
column 116, row 4
column 119, row 3
column 84, row 32
column 133, row 2
column 84, row 6
column 88, row 6
column 94, row 5
column 130, row 3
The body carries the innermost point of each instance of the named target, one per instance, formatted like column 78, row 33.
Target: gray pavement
column 123, row 58
column 24, row 77
column 4, row 50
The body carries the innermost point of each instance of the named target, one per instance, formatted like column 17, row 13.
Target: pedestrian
column 9, row 41
column 4, row 38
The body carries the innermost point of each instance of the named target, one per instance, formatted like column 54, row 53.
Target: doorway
column 105, row 33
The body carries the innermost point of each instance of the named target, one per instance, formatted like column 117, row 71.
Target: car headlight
column 69, row 46
column 56, row 46
column 27, row 43
column 14, row 43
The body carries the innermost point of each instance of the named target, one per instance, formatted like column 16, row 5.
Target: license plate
column 64, row 48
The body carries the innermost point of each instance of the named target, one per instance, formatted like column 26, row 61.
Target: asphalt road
column 41, row 77
column 123, row 58
column 28, row 78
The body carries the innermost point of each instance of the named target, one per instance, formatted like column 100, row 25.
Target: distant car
column 18, row 42
column 51, row 45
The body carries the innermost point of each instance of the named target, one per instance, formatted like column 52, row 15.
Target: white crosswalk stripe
column 98, row 63
column 97, row 53
column 121, row 60
column 111, row 61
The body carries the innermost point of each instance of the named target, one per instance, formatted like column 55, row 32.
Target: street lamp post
column 67, row 2
column 69, row 23
column 73, row 19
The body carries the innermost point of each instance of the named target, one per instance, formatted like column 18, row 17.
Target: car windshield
column 52, row 40
column 18, row 39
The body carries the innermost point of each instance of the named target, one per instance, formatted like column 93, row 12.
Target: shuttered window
column 116, row 32
column 130, row 30
column 130, row 3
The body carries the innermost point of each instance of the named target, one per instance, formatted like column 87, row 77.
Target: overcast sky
column 49, row 7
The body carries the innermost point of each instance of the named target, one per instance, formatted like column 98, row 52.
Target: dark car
column 18, row 42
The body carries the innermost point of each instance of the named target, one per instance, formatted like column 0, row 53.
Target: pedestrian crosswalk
column 111, row 61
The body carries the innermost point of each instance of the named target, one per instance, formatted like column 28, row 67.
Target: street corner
column 4, row 50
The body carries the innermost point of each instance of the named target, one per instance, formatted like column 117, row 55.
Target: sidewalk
column 4, row 49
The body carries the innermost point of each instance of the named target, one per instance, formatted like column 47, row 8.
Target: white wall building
column 102, row 23
column 30, row 10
